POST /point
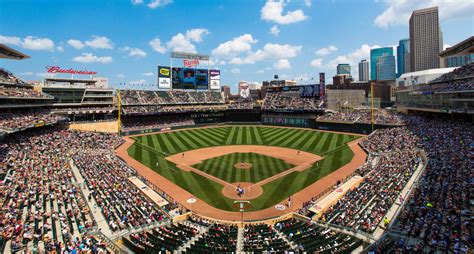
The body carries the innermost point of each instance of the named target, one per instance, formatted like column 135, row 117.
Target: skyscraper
column 364, row 70
column 403, row 57
column 344, row 69
column 374, row 54
column 425, row 39
column 386, row 68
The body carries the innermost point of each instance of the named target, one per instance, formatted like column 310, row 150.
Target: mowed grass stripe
column 328, row 142
column 248, row 136
column 172, row 136
column 286, row 135
column 231, row 136
column 298, row 144
column 290, row 142
column 213, row 140
column 269, row 137
column 197, row 140
column 307, row 144
column 188, row 144
column 169, row 146
column 256, row 135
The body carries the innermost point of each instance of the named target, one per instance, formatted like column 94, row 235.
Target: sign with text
column 57, row 69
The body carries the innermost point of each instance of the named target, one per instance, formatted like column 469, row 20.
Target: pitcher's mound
column 251, row 191
column 242, row 165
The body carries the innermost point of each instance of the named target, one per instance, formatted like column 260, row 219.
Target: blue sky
column 250, row 40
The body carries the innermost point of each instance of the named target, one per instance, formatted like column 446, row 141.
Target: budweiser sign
column 190, row 63
column 57, row 69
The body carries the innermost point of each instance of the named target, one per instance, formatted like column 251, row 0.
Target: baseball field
column 271, row 163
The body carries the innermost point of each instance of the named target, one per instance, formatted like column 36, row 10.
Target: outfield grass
column 263, row 167
column 154, row 148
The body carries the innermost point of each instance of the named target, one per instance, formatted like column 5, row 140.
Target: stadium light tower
column 242, row 205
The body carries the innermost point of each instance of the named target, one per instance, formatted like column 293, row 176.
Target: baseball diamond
column 152, row 151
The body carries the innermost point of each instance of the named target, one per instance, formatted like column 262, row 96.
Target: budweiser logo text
column 57, row 69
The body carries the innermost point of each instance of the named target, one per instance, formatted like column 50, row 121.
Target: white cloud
column 235, row 70
column 308, row 2
column 34, row 43
column 353, row 58
column 148, row 74
column 155, row 44
column 29, row 42
column 326, row 51
column 273, row 11
column 179, row 42
column 282, row 64
column 12, row 40
column 90, row 58
column 235, row 46
column 196, row 34
column 120, row 76
column 60, row 48
column 317, row 63
column 100, row 42
column 260, row 71
column 77, row 44
column 134, row 52
column 136, row 2
column 269, row 52
column 274, row 30
column 398, row 12
column 445, row 46
column 158, row 3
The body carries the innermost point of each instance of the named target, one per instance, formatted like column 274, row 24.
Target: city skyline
column 273, row 39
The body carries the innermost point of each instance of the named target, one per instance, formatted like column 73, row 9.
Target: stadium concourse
column 66, row 191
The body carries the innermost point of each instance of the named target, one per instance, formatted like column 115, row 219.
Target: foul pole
column 119, row 107
column 372, row 104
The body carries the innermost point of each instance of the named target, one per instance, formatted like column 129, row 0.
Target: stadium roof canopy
column 9, row 53
column 462, row 48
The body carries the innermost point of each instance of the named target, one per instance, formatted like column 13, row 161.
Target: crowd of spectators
column 7, row 77
column 155, row 122
column 19, row 120
column 42, row 205
column 241, row 103
column 177, row 97
column 439, row 209
column 290, row 101
column 258, row 238
column 381, row 116
column 151, row 110
column 460, row 79
column 21, row 92
column 311, row 238
column 364, row 207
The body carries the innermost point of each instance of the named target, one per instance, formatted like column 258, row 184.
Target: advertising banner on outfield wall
column 164, row 77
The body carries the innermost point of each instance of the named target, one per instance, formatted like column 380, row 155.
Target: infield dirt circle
column 242, row 165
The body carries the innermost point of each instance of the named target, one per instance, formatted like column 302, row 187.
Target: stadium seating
column 262, row 237
column 43, row 205
column 155, row 122
column 290, row 101
column 11, row 121
column 314, row 239
column 220, row 238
